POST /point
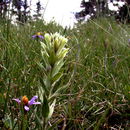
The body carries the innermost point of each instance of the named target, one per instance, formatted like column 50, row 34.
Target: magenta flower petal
column 17, row 100
column 40, row 36
column 36, row 103
column 26, row 108
column 34, row 36
column 32, row 101
column 37, row 36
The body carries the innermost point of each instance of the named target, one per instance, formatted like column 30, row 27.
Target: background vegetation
column 97, row 70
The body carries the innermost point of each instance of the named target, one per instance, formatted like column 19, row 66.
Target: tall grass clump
column 90, row 88
column 101, row 64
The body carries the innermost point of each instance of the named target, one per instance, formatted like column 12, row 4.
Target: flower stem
column 24, row 122
column 44, row 123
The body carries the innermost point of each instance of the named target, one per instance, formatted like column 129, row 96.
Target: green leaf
column 57, row 67
column 38, row 119
column 47, row 82
column 45, row 109
column 43, row 85
column 41, row 93
column 45, row 58
column 41, row 67
column 52, row 109
column 56, row 78
column 43, row 45
column 57, row 92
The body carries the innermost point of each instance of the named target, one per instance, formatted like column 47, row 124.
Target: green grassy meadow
column 96, row 73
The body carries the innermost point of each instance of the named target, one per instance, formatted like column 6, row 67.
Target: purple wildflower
column 38, row 35
column 26, row 102
column 129, row 40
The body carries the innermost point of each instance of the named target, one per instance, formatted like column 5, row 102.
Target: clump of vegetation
column 96, row 72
